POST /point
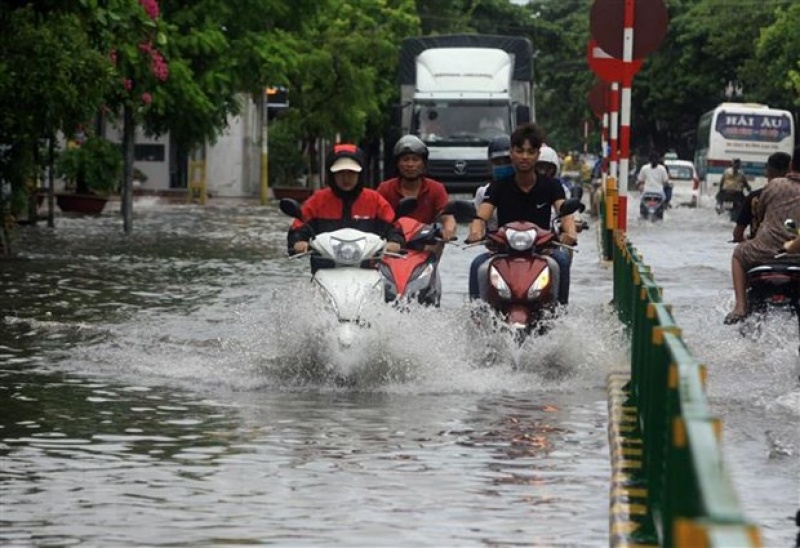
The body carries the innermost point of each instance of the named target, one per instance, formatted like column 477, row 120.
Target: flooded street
column 177, row 387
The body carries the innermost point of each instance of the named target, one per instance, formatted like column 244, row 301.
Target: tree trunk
column 51, row 180
column 128, row 141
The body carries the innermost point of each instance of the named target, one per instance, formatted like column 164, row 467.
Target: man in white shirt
column 653, row 177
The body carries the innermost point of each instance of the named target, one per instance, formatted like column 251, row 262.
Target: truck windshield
column 460, row 123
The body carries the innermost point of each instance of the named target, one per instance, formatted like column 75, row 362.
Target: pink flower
column 158, row 66
column 127, row 83
column 113, row 56
column 147, row 98
column 151, row 7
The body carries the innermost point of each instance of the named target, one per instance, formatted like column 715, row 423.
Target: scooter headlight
column 348, row 251
column 389, row 285
column 541, row 282
column 520, row 240
column 420, row 279
column 499, row 283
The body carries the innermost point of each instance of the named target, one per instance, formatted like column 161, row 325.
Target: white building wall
column 232, row 163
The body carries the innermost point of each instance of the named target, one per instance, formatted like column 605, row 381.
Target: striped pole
column 625, row 123
column 614, row 130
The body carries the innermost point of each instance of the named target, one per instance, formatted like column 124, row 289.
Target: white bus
column 747, row 131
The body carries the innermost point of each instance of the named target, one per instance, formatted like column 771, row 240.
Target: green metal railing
column 691, row 500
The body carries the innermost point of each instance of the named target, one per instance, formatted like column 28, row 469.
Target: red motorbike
column 413, row 274
column 520, row 281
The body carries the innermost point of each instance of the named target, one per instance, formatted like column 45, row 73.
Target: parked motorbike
column 520, row 281
column 651, row 206
column 775, row 285
column 414, row 273
column 341, row 256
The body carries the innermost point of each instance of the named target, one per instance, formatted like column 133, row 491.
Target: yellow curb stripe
column 630, row 492
column 628, row 504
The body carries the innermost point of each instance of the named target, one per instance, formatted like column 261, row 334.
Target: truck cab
column 460, row 91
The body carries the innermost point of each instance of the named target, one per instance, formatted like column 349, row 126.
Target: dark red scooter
column 520, row 281
column 775, row 285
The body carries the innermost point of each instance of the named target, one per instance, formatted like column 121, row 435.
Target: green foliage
column 344, row 79
column 288, row 164
column 93, row 167
column 774, row 72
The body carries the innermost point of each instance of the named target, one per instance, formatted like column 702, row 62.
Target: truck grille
column 466, row 170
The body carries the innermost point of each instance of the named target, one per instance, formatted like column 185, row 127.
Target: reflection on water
column 177, row 387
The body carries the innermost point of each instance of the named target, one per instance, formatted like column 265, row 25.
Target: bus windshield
column 460, row 123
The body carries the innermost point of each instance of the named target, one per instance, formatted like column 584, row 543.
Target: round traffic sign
column 607, row 26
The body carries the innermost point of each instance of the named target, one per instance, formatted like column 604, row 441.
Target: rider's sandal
column 733, row 317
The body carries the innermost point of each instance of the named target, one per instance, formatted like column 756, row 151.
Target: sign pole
column 265, row 149
column 625, row 125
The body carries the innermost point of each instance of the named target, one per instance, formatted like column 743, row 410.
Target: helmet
column 343, row 151
column 550, row 156
column 410, row 144
column 499, row 147
column 346, row 157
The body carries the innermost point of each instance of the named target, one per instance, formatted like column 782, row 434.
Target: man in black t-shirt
column 529, row 196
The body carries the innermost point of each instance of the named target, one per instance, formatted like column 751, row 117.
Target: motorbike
column 340, row 258
column 651, row 206
column 520, row 282
column 775, row 285
column 413, row 274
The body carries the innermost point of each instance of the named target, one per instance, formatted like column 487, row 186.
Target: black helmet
column 410, row 144
column 499, row 147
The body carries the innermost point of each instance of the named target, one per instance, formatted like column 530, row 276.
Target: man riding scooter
column 528, row 196
column 411, row 157
column 731, row 189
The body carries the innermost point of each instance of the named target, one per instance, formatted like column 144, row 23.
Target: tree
column 774, row 72
column 344, row 82
column 51, row 81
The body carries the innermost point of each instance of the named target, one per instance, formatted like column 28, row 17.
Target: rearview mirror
column 405, row 207
column 791, row 226
column 571, row 206
column 462, row 210
column 291, row 208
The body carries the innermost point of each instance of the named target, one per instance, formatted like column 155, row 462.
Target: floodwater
column 753, row 368
column 178, row 387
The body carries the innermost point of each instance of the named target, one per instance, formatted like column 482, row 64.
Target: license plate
column 728, row 205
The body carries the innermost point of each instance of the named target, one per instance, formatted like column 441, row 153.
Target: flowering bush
column 139, row 63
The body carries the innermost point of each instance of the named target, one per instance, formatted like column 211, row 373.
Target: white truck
column 459, row 91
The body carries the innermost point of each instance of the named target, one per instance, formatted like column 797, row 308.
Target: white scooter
column 345, row 275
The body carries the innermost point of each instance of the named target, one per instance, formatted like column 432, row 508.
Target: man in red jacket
column 345, row 203
column 411, row 155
